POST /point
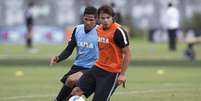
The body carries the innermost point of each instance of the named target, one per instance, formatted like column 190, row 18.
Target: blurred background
column 136, row 14
column 172, row 72
column 54, row 21
column 52, row 16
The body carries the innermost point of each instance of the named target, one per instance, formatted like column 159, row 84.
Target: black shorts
column 99, row 81
column 73, row 70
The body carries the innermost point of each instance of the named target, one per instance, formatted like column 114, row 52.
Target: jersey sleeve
column 69, row 49
column 121, row 38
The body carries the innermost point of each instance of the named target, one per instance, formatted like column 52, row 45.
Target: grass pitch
column 143, row 84
column 36, row 81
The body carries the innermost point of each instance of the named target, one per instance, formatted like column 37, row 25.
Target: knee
column 77, row 91
column 70, row 83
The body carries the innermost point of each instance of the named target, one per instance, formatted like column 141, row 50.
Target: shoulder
column 121, row 37
column 80, row 26
column 120, row 31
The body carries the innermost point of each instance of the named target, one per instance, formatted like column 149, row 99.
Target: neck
column 88, row 30
column 107, row 28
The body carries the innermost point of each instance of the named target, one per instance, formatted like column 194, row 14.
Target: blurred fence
column 61, row 13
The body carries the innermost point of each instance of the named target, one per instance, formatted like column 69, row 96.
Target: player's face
column 89, row 21
column 106, row 20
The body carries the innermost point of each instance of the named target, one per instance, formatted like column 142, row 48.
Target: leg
column 77, row 91
column 73, row 79
column 189, row 52
column 70, row 83
column 29, row 43
column 172, row 39
column 169, row 39
column 106, row 85
column 29, row 36
column 63, row 94
column 86, row 85
column 69, row 80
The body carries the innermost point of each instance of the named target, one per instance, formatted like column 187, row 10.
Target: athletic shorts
column 74, row 69
column 100, row 82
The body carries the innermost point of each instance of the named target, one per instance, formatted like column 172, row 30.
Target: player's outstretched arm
column 66, row 52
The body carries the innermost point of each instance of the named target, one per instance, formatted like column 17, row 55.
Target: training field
column 144, row 84
column 154, row 74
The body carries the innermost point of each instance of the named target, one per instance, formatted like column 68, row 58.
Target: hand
column 54, row 60
column 122, row 80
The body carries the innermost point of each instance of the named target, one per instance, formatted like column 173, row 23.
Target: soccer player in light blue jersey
column 85, row 39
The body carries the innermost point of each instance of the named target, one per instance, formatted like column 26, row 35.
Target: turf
column 143, row 84
column 180, row 82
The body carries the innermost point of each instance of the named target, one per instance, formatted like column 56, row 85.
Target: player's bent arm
column 126, row 59
column 67, row 52
column 69, row 49
column 122, row 41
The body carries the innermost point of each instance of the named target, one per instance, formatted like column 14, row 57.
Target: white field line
column 117, row 93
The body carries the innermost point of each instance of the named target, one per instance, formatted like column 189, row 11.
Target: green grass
column 20, row 52
column 156, row 51
column 181, row 81
column 140, row 50
column 143, row 84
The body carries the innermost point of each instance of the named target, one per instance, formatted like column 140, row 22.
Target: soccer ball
column 76, row 98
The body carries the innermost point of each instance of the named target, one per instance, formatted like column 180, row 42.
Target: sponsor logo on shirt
column 103, row 40
column 85, row 44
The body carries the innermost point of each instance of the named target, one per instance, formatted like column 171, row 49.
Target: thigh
column 72, row 79
column 87, row 83
column 75, row 76
column 72, row 71
column 105, row 86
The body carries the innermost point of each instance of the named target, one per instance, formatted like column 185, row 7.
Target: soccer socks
column 64, row 93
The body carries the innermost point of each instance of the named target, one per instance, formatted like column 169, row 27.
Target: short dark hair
column 106, row 9
column 90, row 10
